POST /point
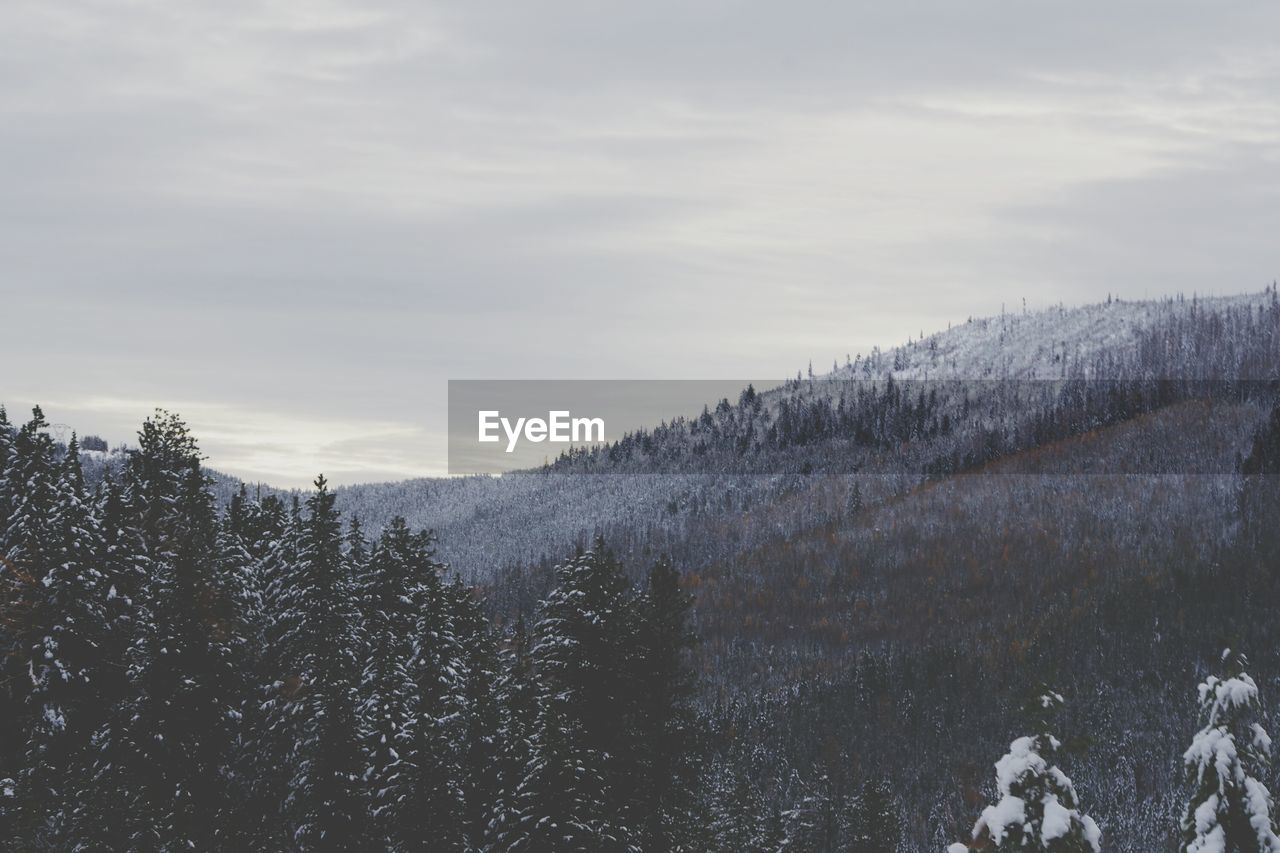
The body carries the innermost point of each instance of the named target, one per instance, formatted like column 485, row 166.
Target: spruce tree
column 1038, row 808
column 406, row 720
column 67, row 667
column 876, row 825
column 388, row 710
column 1231, row 808
column 560, row 804
column 267, row 751
column 667, row 767
column 583, row 747
column 517, row 703
column 439, row 678
column 108, row 804
column 28, row 548
column 7, row 434
column 817, row 819
column 478, row 758
column 184, row 670
column 10, row 695
column 735, row 815
column 314, row 709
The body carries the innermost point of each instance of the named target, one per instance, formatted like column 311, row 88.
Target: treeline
column 266, row 678
column 1191, row 352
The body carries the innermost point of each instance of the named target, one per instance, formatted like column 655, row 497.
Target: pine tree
column 29, row 489
column 407, row 715
column 28, row 548
column 517, row 703
column 559, row 805
column 439, row 677
column 357, row 549
column 816, row 821
column 181, row 721
column 67, row 668
column 581, row 748
column 388, row 711
column 10, row 696
column 267, row 750
column 664, row 684
column 1038, row 807
column 1231, row 809
column 237, row 590
column 735, row 814
column 853, row 500
column 7, row 435
column 315, row 706
column 877, row 824
column 108, row 803
column 478, row 758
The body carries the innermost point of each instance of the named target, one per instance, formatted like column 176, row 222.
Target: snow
column 1009, row 812
column 1215, row 749
column 1034, row 345
column 1057, row 821
column 1021, row 760
column 1035, row 798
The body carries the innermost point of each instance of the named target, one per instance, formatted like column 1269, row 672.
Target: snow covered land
column 809, row 619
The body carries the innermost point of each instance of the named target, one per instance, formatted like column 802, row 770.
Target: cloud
column 320, row 211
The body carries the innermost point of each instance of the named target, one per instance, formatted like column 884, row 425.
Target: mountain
column 887, row 560
column 664, row 484
column 899, row 552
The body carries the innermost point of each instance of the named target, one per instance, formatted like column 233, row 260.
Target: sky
column 293, row 222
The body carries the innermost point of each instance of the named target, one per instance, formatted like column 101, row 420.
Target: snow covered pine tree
column 1230, row 811
column 1038, row 808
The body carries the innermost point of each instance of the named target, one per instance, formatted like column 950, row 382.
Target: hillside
column 655, row 489
column 1051, row 343
column 891, row 558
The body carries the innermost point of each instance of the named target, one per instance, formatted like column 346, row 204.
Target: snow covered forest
column 811, row 619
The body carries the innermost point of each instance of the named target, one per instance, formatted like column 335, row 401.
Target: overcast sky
column 293, row 221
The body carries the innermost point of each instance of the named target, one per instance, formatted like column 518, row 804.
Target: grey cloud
column 316, row 213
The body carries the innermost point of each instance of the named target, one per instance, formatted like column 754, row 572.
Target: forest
column 867, row 614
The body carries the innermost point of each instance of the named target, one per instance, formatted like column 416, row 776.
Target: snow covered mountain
column 1046, row 344
column 894, row 553
column 1227, row 337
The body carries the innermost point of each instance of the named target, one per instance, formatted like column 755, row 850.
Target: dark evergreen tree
column 517, row 702
column 735, row 815
column 478, row 759
column 10, row 694
column 415, row 798
column 667, row 767
column 583, row 658
column 1231, row 808
column 876, row 825
column 185, row 674
column 439, row 678
column 1038, row 808
column 268, row 743
column 7, row 435
column 67, row 665
column 818, row 821
column 28, row 548
column 314, row 708
column 560, row 804
column 109, row 804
